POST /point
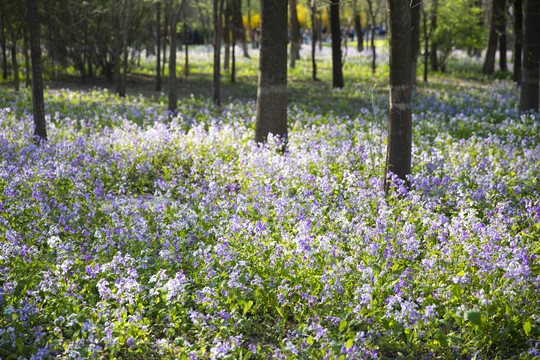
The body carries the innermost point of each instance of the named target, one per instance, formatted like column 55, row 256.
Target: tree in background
column 271, row 112
column 358, row 27
column 428, row 31
column 398, row 155
column 518, row 38
column 158, row 46
column 415, row 36
column 40, row 130
column 372, row 12
column 528, row 100
column 295, row 33
column 3, row 40
column 174, row 8
column 496, row 23
column 337, row 61
column 216, row 82
column 315, row 32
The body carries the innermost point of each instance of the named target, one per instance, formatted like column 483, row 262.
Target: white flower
column 54, row 241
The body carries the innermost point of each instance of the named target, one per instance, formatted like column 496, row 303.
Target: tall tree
column 518, row 39
column 372, row 15
column 358, row 27
column 428, row 32
column 216, row 83
column 174, row 9
column 415, row 36
column 315, row 25
column 158, row 45
column 271, row 112
column 295, row 33
column 398, row 155
column 497, row 17
column 337, row 61
column 531, row 57
column 40, row 130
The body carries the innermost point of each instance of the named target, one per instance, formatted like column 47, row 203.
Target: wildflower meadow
column 137, row 234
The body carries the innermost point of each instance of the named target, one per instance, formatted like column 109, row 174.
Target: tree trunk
column 314, row 31
column 158, row 43
column 165, row 38
column 531, row 57
column 26, row 57
column 497, row 17
column 415, row 37
column 117, row 50
column 16, row 80
column 172, row 57
column 295, row 33
column 518, row 33
column 337, row 72
column 358, row 28
column 398, row 156
column 434, row 60
column 373, row 50
column 227, row 35
column 125, row 30
column 233, row 52
column 217, row 11
column 3, row 42
column 426, row 46
column 271, row 112
column 40, row 131
column 186, row 51
column 501, row 32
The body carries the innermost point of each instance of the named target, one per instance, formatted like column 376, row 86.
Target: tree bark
column 295, row 33
column 358, row 28
column 27, row 70
column 117, row 50
column 398, row 156
column 186, row 50
column 15, row 64
column 518, row 33
column 216, row 83
column 373, row 50
column 501, row 32
column 314, row 32
column 497, row 17
column 426, row 46
column 271, row 112
column 40, row 130
column 415, row 37
column 337, row 61
column 173, row 10
column 3, row 42
column 531, row 57
column 158, row 45
column 227, row 35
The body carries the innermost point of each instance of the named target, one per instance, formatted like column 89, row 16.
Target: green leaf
column 310, row 340
column 19, row 343
column 342, row 325
column 349, row 343
column 474, row 316
column 527, row 327
column 247, row 306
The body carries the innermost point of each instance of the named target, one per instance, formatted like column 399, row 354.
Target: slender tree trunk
column 3, row 42
column 501, row 32
column 271, row 112
column 26, row 57
column 16, row 80
column 233, row 53
column 217, row 11
column 165, row 39
column 40, row 131
column 426, row 46
column 125, row 26
column 186, row 51
column 415, row 36
column 497, row 16
column 358, row 28
column 172, row 57
column 337, row 72
column 531, row 57
column 227, row 35
column 373, row 50
column 518, row 32
column 398, row 156
column 314, row 32
column 158, row 43
column 250, row 30
column 295, row 33
column 117, row 49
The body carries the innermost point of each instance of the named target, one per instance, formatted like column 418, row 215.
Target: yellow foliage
column 255, row 21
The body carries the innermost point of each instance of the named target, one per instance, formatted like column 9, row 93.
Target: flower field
column 134, row 235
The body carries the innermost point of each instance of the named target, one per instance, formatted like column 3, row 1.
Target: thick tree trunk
column 531, row 57
column 295, row 33
column 398, row 156
column 158, row 45
column 216, row 83
column 40, row 131
column 497, row 17
column 518, row 33
column 337, row 61
column 415, row 37
column 271, row 112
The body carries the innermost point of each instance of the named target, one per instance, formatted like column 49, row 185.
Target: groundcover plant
column 130, row 234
